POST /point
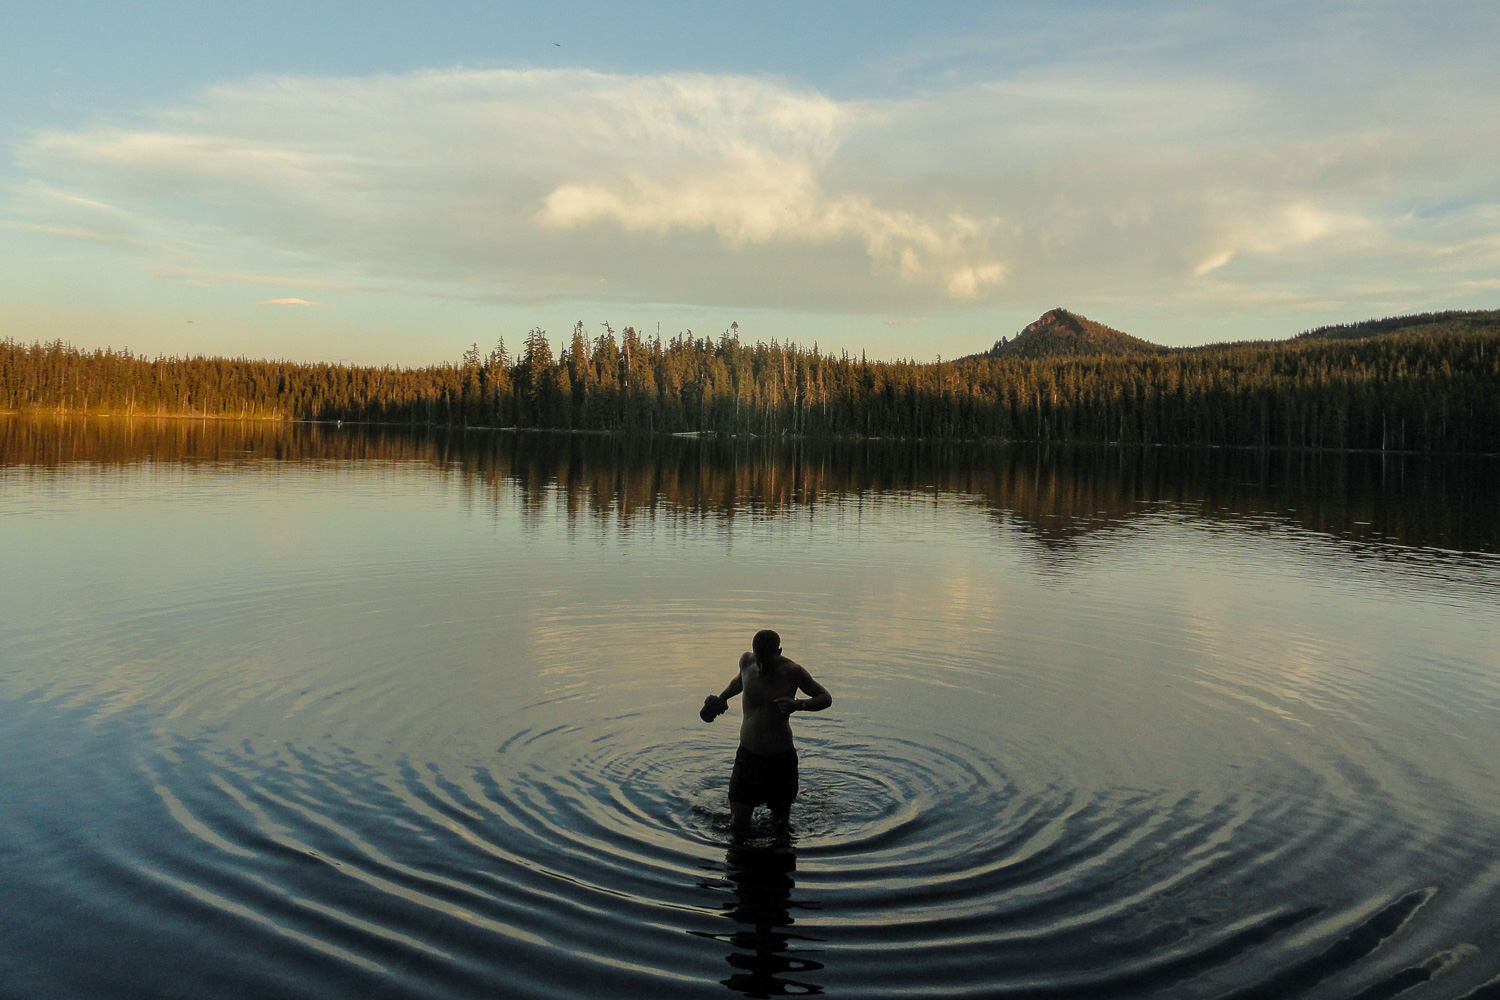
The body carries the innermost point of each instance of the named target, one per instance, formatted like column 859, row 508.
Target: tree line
column 1436, row 388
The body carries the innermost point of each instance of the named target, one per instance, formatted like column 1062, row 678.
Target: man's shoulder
column 746, row 658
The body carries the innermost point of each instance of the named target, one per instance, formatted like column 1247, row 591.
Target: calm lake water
column 334, row 712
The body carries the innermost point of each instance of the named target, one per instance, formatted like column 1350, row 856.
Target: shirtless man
column 765, row 766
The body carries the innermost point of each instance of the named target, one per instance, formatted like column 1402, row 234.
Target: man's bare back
column 770, row 683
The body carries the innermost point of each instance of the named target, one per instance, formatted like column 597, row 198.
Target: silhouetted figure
column 765, row 766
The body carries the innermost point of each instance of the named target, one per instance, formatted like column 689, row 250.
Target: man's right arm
column 716, row 705
column 733, row 688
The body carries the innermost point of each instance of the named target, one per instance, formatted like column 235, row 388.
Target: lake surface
column 337, row 712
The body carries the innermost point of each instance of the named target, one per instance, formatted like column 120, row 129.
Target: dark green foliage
column 1431, row 386
column 1432, row 324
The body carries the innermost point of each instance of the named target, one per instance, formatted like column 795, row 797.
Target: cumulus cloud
column 745, row 161
column 755, row 203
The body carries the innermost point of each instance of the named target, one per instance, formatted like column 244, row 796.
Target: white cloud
column 743, row 160
column 968, row 282
column 289, row 302
column 47, row 210
column 206, row 278
column 1278, row 229
column 778, row 203
column 717, row 190
column 527, row 180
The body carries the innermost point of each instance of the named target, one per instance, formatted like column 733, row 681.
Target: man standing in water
column 765, row 766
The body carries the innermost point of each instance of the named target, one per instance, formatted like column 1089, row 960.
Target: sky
column 385, row 183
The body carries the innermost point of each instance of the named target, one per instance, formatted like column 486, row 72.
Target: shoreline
column 703, row 436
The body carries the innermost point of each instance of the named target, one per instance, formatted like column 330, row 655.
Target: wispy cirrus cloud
column 1277, row 228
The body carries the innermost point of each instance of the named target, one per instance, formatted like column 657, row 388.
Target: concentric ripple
column 588, row 856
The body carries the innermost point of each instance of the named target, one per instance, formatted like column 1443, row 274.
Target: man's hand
column 713, row 707
column 786, row 706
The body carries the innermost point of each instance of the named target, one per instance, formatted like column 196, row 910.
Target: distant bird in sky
column 558, row 44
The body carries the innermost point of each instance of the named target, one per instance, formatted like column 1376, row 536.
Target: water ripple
column 1055, row 768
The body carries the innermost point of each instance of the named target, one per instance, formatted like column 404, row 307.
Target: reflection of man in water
column 770, row 958
column 769, row 955
column 765, row 766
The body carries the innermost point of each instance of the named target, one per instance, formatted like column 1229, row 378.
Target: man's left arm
column 820, row 698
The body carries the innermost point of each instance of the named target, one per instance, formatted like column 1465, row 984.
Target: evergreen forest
column 1425, row 383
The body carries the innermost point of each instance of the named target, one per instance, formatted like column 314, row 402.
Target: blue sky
column 387, row 183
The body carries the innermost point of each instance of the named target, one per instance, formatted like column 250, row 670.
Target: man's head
column 767, row 646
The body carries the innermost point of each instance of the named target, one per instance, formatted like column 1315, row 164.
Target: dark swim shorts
column 768, row 778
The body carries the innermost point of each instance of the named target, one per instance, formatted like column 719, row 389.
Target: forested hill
column 1059, row 333
column 1427, row 386
column 1430, row 324
column 1062, row 334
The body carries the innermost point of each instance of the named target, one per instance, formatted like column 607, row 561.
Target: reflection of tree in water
column 1059, row 497
column 768, row 958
